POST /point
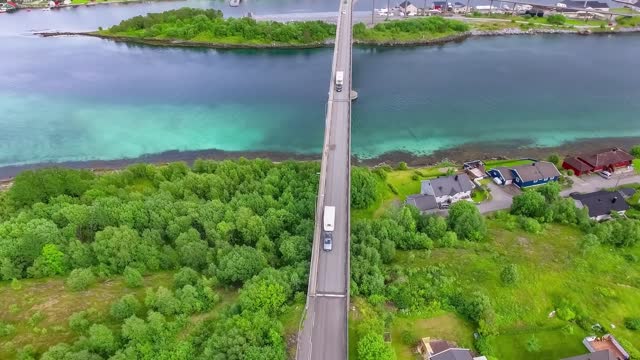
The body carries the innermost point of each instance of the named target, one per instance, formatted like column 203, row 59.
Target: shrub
column 465, row 220
column 415, row 177
column 530, row 225
column 565, row 313
column 6, row 329
column 125, row 307
column 79, row 321
column 132, row 277
column 632, row 323
column 186, row 276
column 554, row 159
column 570, row 172
column 402, row 165
column 509, row 274
column 393, row 189
column 532, row 345
column 80, row 279
column 635, row 151
column 556, row 19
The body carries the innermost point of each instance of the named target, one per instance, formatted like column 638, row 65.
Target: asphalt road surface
column 324, row 332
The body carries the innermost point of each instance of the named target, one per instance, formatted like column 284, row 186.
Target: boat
column 234, row 3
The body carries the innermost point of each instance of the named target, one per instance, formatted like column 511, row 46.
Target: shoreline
column 45, row 5
column 330, row 42
column 459, row 154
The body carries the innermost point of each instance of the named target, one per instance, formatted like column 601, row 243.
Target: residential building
column 408, row 8
column 434, row 349
column 422, row 202
column 588, row 4
column 538, row 173
column 441, row 5
column 460, row 8
column 609, row 160
column 602, row 348
column 601, row 204
column 523, row 176
column 503, row 174
column 448, row 189
column 475, row 169
column 598, row 355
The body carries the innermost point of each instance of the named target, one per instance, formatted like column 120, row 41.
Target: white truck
column 329, row 218
column 339, row 80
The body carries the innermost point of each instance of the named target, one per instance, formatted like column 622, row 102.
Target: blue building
column 524, row 176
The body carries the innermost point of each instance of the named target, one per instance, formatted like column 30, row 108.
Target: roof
column 453, row 354
column 448, row 185
column 578, row 164
column 607, row 158
column 598, row 355
column 583, row 5
column 405, row 4
column 536, row 171
column 628, row 192
column 422, row 202
column 602, row 202
column 505, row 172
column 440, row 3
column 475, row 163
column 438, row 346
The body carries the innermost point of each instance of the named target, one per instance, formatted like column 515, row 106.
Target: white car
column 344, row 12
column 605, row 174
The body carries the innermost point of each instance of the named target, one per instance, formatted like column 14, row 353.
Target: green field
column 505, row 163
column 601, row 283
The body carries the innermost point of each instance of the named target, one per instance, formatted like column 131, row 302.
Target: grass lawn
column 55, row 304
column 291, row 322
column 404, row 184
column 636, row 165
column 446, row 326
column 601, row 284
column 479, row 195
column 506, row 163
column 379, row 36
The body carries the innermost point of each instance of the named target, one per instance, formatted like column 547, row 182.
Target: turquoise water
column 95, row 99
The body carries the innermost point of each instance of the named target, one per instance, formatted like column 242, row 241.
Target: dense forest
column 209, row 26
column 243, row 225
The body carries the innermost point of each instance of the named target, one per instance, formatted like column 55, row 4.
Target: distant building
column 408, row 8
column 609, row 160
column 433, row 349
column 588, row 4
column 441, row 192
column 459, row 8
column 633, row 4
column 602, row 348
column 475, row 169
column 440, row 5
column 448, row 189
column 601, row 204
column 524, row 176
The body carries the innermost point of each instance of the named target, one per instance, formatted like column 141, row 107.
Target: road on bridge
column 324, row 329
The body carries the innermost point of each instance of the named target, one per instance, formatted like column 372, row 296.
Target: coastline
column 459, row 154
column 330, row 42
column 45, row 5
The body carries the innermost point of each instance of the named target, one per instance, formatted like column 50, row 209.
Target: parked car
column 605, row 174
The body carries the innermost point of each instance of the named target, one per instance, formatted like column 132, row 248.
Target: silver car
column 328, row 241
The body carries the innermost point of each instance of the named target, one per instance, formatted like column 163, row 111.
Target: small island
column 208, row 28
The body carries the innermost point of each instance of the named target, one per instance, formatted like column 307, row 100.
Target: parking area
column 591, row 183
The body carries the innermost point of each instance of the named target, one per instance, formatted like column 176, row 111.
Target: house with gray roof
column 524, row 176
column 601, row 204
column 448, row 189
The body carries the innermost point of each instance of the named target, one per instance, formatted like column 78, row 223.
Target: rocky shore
column 459, row 154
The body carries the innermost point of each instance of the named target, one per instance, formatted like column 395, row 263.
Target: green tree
column 530, row 203
column 509, row 274
column 33, row 186
column 119, row 247
column 263, row 294
column 556, row 19
column 554, row 159
column 465, row 220
column 185, row 276
column 101, row 340
column 239, row 264
column 192, row 250
column 295, row 249
column 363, row 188
column 51, row 262
column 80, row 279
column 635, row 151
column 162, row 301
column 125, row 307
column 79, row 321
column 372, row 347
column 132, row 277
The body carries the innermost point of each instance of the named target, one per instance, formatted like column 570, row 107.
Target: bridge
column 324, row 334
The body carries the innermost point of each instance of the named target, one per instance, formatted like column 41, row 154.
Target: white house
column 408, row 8
column 448, row 189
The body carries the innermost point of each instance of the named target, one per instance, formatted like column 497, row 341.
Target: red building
column 608, row 160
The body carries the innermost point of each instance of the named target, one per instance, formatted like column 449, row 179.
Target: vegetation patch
column 413, row 30
column 209, row 26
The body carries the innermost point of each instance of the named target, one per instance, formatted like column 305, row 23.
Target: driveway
column 501, row 198
column 591, row 183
